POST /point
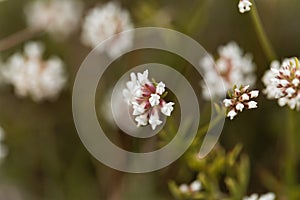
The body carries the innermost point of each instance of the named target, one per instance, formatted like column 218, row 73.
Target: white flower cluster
column 240, row 98
column 268, row 196
column 195, row 186
column 282, row 82
column 55, row 16
column 146, row 99
column 3, row 148
column 103, row 22
column 244, row 6
column 232, row 67
column 32, row 76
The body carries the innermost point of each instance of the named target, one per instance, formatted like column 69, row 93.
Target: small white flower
column 245, row 97
column 252, row 104
column 32, row 76
column 283, row 83
column 295, row 82
column 240, row 106
column 195, row 186
column 143, row 77
column 230, row 67
column 231, row 114
column 240, row 98
column 142, row 120
column 184, row 188
column 104, row 22
column 268, row 196
column 154, row 120
column 254, row 94
column 58, row 17
column 244, row 6
column 290, row 91
column 252, row 197
column 160, row 88
column 227, row 102
column 146, row 100
column 167, row 108
column 138, row 108
column 154, row 99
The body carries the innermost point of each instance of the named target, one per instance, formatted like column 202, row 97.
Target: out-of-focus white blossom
column 58, row 17
column 232, row 67
column 268, row 196
column 195, row 186
column 244, row 6
column 239, row 99
column 32, row 76
column 103, row 22
column 282, row 82
column 146, row 99
column 3, row 147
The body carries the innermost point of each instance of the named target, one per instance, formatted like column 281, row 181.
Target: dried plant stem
column 263, row 39
column 17, row 38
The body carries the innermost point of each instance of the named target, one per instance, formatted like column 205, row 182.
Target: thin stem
column 291, row 150
column 263, row 39
column 17, row 38
column 205, row 127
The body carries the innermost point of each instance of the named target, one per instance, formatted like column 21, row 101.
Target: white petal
column 142, row 120
column 167, row 108
column 245, row 97
column 254, row 94
column 184, row 188
column 160, row 88
column 154, row 120
column 252, row 104
column 252, row 197
column 231, row 114
column 268, row 196
column 154, row 99
column 227, row 102
column 240, row 107
column 195, row 186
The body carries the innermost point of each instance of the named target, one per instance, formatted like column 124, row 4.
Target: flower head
column 244, row 6
column 103, row 22
column 32, row 76
column 55, row 16
column 232, row 67
column 146, row 99
column 282, row 82
column 240, row 99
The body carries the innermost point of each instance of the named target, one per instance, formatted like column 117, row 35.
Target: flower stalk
column 263, row 39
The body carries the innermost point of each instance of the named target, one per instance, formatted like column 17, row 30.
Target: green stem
column 263, row 39
column 291, row 150
column 205, row 127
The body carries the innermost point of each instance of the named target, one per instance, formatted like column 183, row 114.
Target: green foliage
column 224, row 175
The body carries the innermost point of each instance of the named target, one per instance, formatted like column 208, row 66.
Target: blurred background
column 45, row 158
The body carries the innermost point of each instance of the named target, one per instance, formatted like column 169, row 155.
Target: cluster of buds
column 283, row 83
column 244, row 6
column 195, row 186
column 147, row 99
column 241, row 98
